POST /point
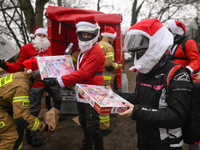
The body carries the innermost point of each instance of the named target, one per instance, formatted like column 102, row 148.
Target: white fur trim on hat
column 83, row 23
column 109, row 35
column 32, row 35
column 41, row 30
column 29, row 71
column 174, row 28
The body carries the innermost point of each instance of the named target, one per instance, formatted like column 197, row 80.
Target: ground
column 68, row 135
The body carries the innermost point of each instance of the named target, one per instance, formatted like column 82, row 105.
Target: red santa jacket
column 27, row 51
column 193, row 62
column 89, row 66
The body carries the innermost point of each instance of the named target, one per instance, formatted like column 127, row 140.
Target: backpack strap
column 183, row 46
column 171, row 73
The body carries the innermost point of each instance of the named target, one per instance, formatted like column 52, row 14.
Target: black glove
column 46, row 128
column 3, row 64
column 50, row 81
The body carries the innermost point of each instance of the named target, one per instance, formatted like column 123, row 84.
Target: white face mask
column 41, row 44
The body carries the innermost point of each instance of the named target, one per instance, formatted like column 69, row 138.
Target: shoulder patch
column 184, row 76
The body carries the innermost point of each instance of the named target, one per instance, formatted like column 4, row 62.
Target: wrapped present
column 55, row 66
column 102, row 99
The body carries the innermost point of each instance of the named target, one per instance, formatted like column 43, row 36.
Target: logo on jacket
column 182, row 77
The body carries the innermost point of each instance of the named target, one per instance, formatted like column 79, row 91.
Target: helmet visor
column 83, row 38
column 134, row 43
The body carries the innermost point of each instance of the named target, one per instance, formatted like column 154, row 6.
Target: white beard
column 41, row 45
column 84, row 47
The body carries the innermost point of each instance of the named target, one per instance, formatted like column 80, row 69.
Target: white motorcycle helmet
column 87, row 24
column 151, row 37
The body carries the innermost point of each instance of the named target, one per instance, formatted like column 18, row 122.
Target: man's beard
column 41, row 45
column 85, row 47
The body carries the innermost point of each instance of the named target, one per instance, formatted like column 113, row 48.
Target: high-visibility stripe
column 104, row 119
column 101, row 46
column 116, row 66
column 20, row 146
column 5, row 80
column 73, row 59
column 23, row 99
column 2, row 124
column 36, row 124
column 110, row 54
column 20, row 98
column 107, row 77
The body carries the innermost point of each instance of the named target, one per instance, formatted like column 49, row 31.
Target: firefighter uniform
column 14, row 114
column 110, row 65
column 74, row 57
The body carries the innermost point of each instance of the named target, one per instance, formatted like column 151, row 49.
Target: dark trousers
column 89, row 120
column 35, row 97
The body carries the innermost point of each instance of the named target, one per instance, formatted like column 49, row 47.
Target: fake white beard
column 84, row 47
column 41, row 45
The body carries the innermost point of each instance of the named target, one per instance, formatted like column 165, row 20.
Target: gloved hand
column 50, row 81
column 3, row 64
column 120, row 65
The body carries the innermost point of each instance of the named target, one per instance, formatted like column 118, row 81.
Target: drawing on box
column 55, row 66
column 103, row 96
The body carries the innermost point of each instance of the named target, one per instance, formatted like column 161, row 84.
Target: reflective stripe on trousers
column 104, row 118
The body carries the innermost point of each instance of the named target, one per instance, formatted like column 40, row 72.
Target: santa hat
column 31, row 66
column 109, row 32
column 176, row 27
column 86, row 23
column 160, row 40
column 38, row 30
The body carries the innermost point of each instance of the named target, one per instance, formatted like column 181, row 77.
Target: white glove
column 135, row 68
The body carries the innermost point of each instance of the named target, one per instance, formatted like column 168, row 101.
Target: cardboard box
column 55, row 66
column 103, row 100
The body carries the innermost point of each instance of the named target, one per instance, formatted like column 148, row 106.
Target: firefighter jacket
column 193, row 61
column 110, row 64
column 14, row 98
column 159, row 112
column 27, row 51
column 90, row 66
column 74, row 57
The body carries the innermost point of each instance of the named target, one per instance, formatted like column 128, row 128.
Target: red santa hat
column 86, row 23
column 38, row 30
column 109, row 32
column 176, row 27
column 31, row 66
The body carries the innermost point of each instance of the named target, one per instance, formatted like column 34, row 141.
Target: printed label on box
column 55, row 66
column 103, row 100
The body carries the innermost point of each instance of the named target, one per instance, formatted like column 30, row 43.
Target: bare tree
column 21, row 18
column 135, row 11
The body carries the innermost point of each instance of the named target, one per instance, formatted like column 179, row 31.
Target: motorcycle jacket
column 160, row 111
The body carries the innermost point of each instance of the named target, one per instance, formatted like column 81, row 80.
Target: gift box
column 102, row 99
column 55, row 66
